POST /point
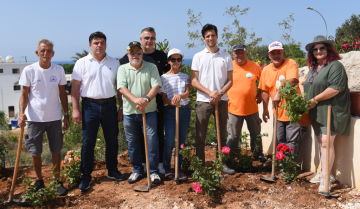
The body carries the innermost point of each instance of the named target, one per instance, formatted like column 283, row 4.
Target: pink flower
column 197, row 187
column 280, row 155
column 291, row 149
column 182, row 146
column 225, row 150
column 70, row 152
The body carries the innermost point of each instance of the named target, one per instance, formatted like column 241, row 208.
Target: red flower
column 291, row 149
column 279, row 146
column 280, row 155
column 284, row 148
column 225, row 150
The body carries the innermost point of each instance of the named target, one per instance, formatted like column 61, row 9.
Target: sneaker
column 161, row 168
column 317, row 178
column 322, row 185
column 85, row 184
column 155, row 178
column 116, row 175
column 39, row 184
column 61, row 191
column 228, row 170
column 134, row 177
column 169, row 175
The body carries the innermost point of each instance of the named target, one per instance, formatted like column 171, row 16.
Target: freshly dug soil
column 241, row 190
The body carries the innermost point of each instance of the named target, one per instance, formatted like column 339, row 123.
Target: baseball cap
column 174, row 51
column 276, row 46
column 133, row 44
column 240, row 47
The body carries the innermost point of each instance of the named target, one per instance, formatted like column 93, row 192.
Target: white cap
column 276, row 46
column 174, row 51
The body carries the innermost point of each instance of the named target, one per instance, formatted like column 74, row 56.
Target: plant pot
column 305, row 120
column 355, row 103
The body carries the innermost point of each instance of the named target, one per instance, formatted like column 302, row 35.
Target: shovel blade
column 268, row 179
column 142, row 188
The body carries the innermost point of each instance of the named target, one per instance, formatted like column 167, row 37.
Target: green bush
column 350, row 26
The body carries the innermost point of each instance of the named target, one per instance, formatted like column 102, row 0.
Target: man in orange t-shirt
column 243, row 102
column 272, row 77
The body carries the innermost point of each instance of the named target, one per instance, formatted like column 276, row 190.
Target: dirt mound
column 241, row 190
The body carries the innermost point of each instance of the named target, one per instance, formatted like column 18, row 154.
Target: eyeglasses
column 138, row 52
column 175, row 59
column 152, row 38
column 323, row 48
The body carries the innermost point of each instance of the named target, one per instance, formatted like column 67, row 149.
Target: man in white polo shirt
column 94, row 79
column 212, row 77
column 43, row 83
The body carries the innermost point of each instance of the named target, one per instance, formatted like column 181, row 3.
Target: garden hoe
column 145, row 188
column 218, row 132
column 17, row 161
column 177, row 146
column 327, row 177
column 272, row 178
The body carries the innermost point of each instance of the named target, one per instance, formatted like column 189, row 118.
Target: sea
column 185, row 62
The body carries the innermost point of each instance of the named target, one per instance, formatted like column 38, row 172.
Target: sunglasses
column 152, row 38
column 138, row 52
column 175, row 59
column 323, row 48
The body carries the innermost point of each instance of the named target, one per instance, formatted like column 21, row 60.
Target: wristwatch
column 120, row 108
column 147, row 98
column 66, row 114
column 222, row 94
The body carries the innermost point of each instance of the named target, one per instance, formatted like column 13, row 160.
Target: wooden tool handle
column 17, row 161
column 327, row 177
column 146, row 149
column 274, row 141
column 177, row 144
column 217, row 127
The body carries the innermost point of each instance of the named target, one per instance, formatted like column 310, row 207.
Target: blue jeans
column 93, row 115
column 133, row 126
column 170, row 123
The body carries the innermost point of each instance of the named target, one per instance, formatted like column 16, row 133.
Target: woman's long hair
column 331, row 56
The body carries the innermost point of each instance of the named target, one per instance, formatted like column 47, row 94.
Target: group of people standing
column 146, row 80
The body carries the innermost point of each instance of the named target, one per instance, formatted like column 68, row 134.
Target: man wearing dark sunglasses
column 274, row 75
column 159, row 58
column 139, row 82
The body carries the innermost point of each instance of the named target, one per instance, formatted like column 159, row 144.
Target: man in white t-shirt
column 94, row 80
column 212, row 77
column 42, row 83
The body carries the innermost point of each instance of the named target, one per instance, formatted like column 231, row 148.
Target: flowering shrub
column 346, row 43
column 205, row 178
column 285, row 161
column 71, row 168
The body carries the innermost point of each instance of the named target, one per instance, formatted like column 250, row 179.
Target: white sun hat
column 174, row 51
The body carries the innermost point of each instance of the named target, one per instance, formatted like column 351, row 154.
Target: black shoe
column 116, row 175
column 262, row 159
column 85, row 184
column 61, row 191
column 39, row 184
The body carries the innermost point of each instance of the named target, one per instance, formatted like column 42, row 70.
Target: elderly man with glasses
column 280, row 71
column 158, row 58
column 139, row 82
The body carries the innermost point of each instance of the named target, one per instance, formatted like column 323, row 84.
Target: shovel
column 17, row 161
column 177, row 146
column 272, row 178
column 217, row 127
column 145, row 188
column 327, row 177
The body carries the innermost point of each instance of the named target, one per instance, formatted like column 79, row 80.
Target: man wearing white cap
column 280, row 70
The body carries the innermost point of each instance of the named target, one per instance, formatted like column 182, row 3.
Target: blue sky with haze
column 69, row 23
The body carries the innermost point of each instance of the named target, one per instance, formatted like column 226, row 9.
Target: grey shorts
column 35, row 141
column 321, row 129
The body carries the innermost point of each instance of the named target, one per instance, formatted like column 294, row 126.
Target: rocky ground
column 241, row 190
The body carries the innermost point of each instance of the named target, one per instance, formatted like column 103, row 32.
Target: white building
column 10, row 90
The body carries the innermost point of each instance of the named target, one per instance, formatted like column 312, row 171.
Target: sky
column 69, row 23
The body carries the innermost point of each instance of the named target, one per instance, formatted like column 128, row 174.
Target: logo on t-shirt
column 53, row 79
column 248, row 75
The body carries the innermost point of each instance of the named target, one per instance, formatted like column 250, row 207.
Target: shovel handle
column 217, row 126
column 146, row 149
column 177, row 144
column 274, row 142
column 17, row 161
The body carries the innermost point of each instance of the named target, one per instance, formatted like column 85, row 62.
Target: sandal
column 169, row 175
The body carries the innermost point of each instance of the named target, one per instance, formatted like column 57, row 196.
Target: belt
column 100, row 101
column 182, row 106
